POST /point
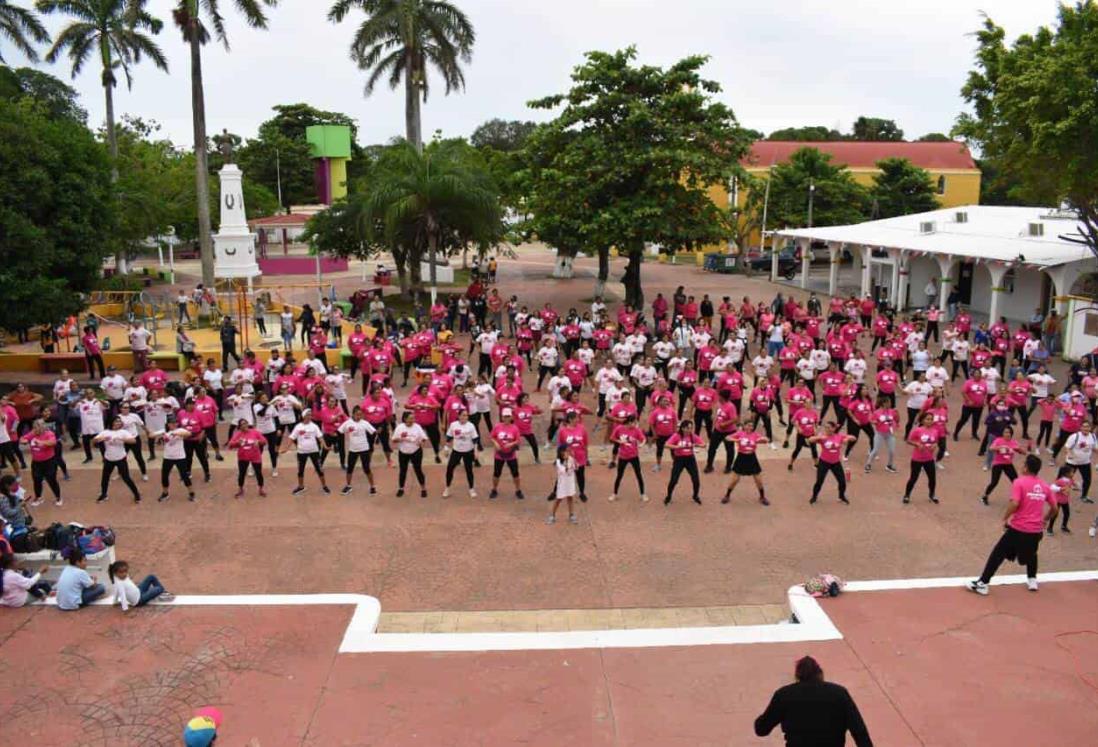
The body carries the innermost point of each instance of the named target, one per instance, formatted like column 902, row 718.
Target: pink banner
column 300, row 265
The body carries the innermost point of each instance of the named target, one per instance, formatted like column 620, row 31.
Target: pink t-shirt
column 425, row 408
column 1061, row 488
column 524, row 418
column 860, row 410
column 925, row 442
column 704, row 398
column 575, row 437
column 663, row 421
column 831, row 448
column 806, row 420
column 974, row 392
column 628, row 438
column 1003, row 451
column 884, row 420
column 1048, row 410
column 832, row 382
column 683, row 446
column 42, row 445
column 508, row 437
column 249, row 444
column 1031, row 493
column 887, row 380
column 747, row 442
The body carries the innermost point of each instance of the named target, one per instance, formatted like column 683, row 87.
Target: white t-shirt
column 937, row 376
column 917, row 393
column 548, row 356
column 173, row 443
column 735, row 347
column 60, row 387
column 856, row 368
column 820, row 358
column 762, row 364
column 156, row 413
column 360, row 432
column 992, row 376
column 242, row 408
column 960, row 350
column 286, row 405
column 135, row 395
column 663, row 350
column 214, row 379
column 920, row 360
column 245, row 376
column 274, row 368
column 487, row 341
column 307, row 437
column 557, row 383
column 806, row 368
column 265, row 422
column 606, row 378
column 483, row 394
column 1041, row 383
column 1080, row 447
column 675, row 367
column 645, row 376
column 91, row 416
column 131, row 423
column 463, row 435
column 114, row 386
column 622, row 353
column 114, row 444
column 139, row 339
column 409, row 438
column 336, row 385
column 316, row 364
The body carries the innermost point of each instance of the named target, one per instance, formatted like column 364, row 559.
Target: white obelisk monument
column 234, row 244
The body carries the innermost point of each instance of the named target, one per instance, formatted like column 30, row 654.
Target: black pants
column 1061, row 439
column 354, row 457
column 93, row 361
column 716, row 439
column 829, row 401
column 465, row 458
column 856, row 430
column 138, row 454
column 997, row 471
column 334, row 442
column 703, row 418
column 912, row 413
column 123, row 468
column 166, row 468
column 661, row 444
column 969, row 413
column 544, row 371
column 261, row 324
column 242, row 472
column 416, row 460
column 764, row 418
column 1065, row 513
column 87, row 441
column 1044, row 433
column 835, row 468
column 1084, row 472
column 802, row 443
column 1006, row 546
column 690, row 465
column 45, row 471
column 382, row 435
column 685, row 393
column 274, row 440
column 434, row 436
column 303, row 459
column 533, row 441
column 228, row 351
column 475, row 419
column 1023, row 415
column 197, row 448
column 961, row 366
column 931, row 477
column 635, row 462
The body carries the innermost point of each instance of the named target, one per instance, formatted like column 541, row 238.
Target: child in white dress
column 566, row 484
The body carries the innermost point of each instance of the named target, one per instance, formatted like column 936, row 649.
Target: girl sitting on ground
column 128, row 594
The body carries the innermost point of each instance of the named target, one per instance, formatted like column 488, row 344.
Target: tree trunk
column 120, row 266
column 201, row 162
column 415, row 275
column 634, row 294
column 604, row 271
column 412, row 128
column 432, row 245
column 562, row 268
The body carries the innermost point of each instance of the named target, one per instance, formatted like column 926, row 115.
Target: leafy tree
column 501, row 135
column 836, row 198
column 400, row 38
column 188, row 16
column 817, row 133
column 628, row 160
column 57, row 99
column 901, row 188
column 57, row 214
column 876, row 129
column 21, row 27
column 997, row 188
column 746, row 219
column 1033, row 111
column 336, row 232
column 115, row 31
column 935, row 137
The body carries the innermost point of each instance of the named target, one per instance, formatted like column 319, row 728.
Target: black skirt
column 747, row 464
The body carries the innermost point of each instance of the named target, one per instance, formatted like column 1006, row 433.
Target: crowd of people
column 693, row 379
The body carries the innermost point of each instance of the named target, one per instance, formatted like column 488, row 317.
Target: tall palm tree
column 20, row 26
column 188, row 16
column 438, row 199
column 117, row 31
column 399, row 38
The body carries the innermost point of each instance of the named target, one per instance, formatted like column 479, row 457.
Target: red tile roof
column 279, row 221
column 864, row 155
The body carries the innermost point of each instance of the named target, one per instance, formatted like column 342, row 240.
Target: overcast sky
column 781, row 62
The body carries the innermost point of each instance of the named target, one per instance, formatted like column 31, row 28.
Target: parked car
column 787, row 263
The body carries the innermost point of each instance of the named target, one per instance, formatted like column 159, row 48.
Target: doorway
column 964, row 282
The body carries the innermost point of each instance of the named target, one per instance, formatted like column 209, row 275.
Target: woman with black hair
column 683, row 446
column 628, row 438
column 813, row 712
column 831, row 443
column 115, row 455
column 309, row 442
column 924, row 440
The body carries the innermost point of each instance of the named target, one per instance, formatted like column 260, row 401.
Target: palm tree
column 115, row 31
column 437, row 199
column 188, row 16
column 17, row 24
column 399, row 38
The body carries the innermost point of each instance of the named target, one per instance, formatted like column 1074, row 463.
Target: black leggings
column 475, row 419
column 835, row 468
column 334, row 442
column 45, row 471
column 829, row 401
column 703, row 417
column 354, row 457
column 465, row 458
column 303, row 459
column 1044, row 433
column 274, row 440
column 716, row 439
column 802, row 443
column 1084, row 471
column 382, row 435
column 533, row 441
column 434, row 436
column 685, row 393
column 661, row 444
column 1061, row 439
column 86, row 439
column 1065, row 512
column 166, row 468
column 242, row 471
column 856, row 430
column 416, row 460
column 961, row 366
column 138, row 454
column 123, row 468
column 997, row 471
column 1023, row 415
column 931, row 477
column 764, row 418
column 193, row 449
column 635, row 462
column 972, row 412
column 690, row 465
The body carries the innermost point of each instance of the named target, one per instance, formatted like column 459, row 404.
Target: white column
column 866, row 255
column 774, row 259
column 836, row 252
column 945, row 285
column 806, row 261
column 905, row 280
column 1063, row 277
column 893, row 291
column 998, row 272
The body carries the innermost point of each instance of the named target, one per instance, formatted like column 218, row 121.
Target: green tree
column 874, row 128
column 629, row 158
column 502, row 135
column 115, row 31
column 1033, row 111
column 400, row 38
column 902, row 188
column 935, row 137
column 817, row 133
column 56, row 98
column 188, row 16
column 57, row 214
column 21, row 27
column 836, row 198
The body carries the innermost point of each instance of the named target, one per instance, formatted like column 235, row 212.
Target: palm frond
column 21, row 26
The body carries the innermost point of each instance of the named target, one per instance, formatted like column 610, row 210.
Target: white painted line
column 941, row 583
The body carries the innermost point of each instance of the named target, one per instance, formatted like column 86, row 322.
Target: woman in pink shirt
column 762, row 401
column 683, row 445
column 330, row 416
column 885, row 420
column 249, row 443
column 573, row 434
column 973, row 398
column 805, row 421
column 506, row 438
column 1047, row 407
column 938, row 409
column 628, row 438
column 426, row 409
column 924, row 441
column 830, row 443
column 1002, row 450
column 1025, row 521
column 43, row 447
column 662, row 424
column 207, row 409
column 1074, row 413
column 747, row 443
column 1018, row 390
column 524, row 413
column 1062, row 488
column 93, row 353
column 859, row 411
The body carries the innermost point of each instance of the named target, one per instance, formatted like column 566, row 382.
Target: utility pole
column 811, row 194
column 278, row 177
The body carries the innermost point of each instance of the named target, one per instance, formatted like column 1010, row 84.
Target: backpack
column 91, row 543
column 26, row 541
column 104, row 533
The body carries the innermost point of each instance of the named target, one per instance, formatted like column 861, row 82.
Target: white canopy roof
column 987, row 233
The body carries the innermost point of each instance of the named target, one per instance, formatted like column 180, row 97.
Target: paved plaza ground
column 937, row 667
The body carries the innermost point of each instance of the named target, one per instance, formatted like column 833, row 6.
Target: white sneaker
column 984, row 468
column 613, row 497
column 977, row 586
column 1037, row 450
column 144, row 478
column 446, row 493
column 1093, row 531
column 655, row 468
column 274, row 473
column 550, row 519
column 472, row 493
column 947, row 453
column 941, row 466
column 774, row 446
column 644, row 498
column 1031, row 584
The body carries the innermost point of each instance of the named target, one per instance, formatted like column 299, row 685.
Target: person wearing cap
column 506, row 437
column 812, row 712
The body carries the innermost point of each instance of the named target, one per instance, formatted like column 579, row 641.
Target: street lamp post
column 811, row 195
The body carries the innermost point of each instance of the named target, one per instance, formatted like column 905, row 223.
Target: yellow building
column 951, row 167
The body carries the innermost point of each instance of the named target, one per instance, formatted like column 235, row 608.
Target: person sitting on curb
column 76, row 588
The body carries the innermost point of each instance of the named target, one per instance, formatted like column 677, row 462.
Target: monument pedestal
column 234, row 244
